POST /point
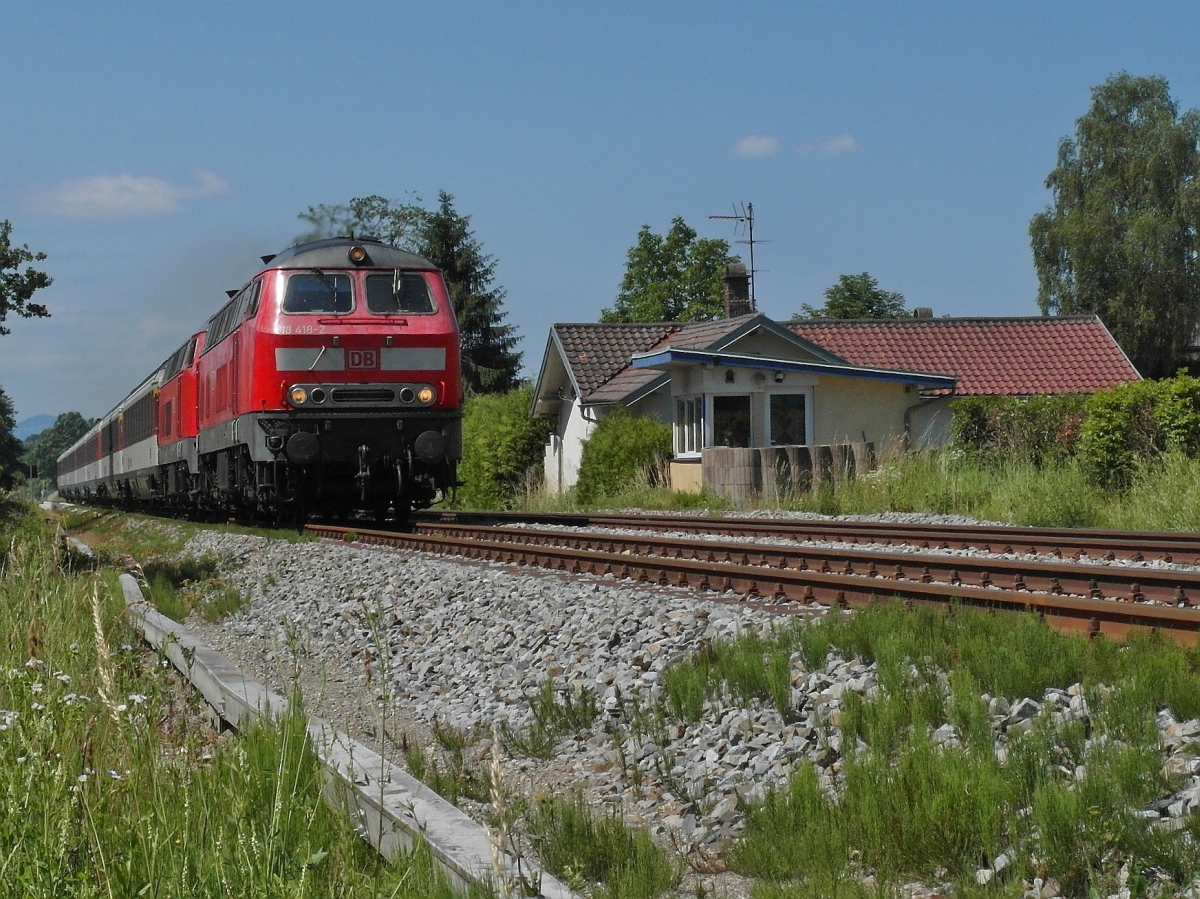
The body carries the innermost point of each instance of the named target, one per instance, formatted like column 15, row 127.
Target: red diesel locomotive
column 329, row 385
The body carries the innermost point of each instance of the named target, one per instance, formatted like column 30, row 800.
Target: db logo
column 363, row 358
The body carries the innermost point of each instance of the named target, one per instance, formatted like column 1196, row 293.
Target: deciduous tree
column 10, row 446
column 17, row 287
column 394, row 222
column 43, row 449
column 1121, row 236
column 858, row 296
column 676, row 276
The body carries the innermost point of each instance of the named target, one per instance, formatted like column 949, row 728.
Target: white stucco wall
column 929, row 423
column 851, row 409
column 565, row 449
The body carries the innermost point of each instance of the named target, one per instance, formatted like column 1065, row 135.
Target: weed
column 224, row 603
column 554, row 717
column 580, row 846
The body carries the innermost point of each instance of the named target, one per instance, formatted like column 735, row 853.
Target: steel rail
column 793, row 589
column 1168, row 586
column 1164, row 546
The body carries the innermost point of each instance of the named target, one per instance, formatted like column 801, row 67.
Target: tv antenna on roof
column 744, row 219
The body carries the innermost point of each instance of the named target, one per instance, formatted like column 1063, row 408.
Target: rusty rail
column 1167, row 546
column 780, row 576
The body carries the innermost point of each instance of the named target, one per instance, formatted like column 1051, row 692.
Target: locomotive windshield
column 402, row 292
column 318, row 291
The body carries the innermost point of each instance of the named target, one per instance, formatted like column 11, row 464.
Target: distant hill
column 33, row 425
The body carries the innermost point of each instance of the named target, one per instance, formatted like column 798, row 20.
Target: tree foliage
column 673, row 277
column 10, row 446
column 500, row 444
column 43, row 449
column 491, row 362
column 392, row 221
column 17, row 287
column 858, row 296
column 1121, row 236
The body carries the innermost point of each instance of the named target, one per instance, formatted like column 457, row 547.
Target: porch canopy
column 671, row 358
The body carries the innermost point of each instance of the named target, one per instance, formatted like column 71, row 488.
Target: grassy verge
column 1164, row 495
column 110, row 789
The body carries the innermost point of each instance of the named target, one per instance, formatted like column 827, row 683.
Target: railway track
column 804, row 569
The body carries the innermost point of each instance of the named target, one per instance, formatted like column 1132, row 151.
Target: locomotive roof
column 331, row 253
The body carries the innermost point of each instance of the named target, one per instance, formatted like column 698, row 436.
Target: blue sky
column 155, row 151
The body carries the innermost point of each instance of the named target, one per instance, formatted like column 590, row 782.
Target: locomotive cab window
column 402, row 293
column 318, row 291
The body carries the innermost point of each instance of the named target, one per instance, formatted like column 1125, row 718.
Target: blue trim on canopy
column 671, row 358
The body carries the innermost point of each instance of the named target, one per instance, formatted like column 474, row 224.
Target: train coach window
column 318, row 291
column 405, row 293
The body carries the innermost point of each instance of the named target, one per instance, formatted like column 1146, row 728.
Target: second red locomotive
column 329, row 385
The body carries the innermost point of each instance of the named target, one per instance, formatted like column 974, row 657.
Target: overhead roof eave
column 669, row 358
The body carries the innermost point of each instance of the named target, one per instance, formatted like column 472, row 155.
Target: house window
column 731, row 421
column 689, row 425
column 787, row 419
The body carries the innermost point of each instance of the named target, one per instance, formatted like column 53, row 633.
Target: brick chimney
column 737, row 290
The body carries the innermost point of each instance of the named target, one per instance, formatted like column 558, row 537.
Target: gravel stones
column 424, row 641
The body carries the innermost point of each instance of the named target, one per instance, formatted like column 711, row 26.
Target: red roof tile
column 599, row 353
column 1006, row 356
column 595, row 352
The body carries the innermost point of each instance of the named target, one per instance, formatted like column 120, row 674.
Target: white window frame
column 690, row 437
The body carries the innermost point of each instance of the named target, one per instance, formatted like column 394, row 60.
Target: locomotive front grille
column 362, row 395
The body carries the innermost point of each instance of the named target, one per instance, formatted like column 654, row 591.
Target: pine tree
column 491, row 363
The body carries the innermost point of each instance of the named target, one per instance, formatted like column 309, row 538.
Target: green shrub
column 1041, row 429
column 1119, row 429
column 500, row 443
column 622, row 446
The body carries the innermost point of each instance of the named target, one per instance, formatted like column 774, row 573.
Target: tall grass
column 108, row 790
column 1163, row 494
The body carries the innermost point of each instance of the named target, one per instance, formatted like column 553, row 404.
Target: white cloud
column 756, row 146
column 126, row 196
column 831, row 146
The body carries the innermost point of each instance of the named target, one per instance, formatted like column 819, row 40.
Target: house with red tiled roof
column 1019, row 357
column 749, row 381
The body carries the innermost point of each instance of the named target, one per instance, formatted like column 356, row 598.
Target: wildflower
column 22, row 759
column 35, row 663
column 137, row 698
column 122, row 707
column 114, row 775
column 63, row 677
column 36, row 688
column 37, row 706
column 82, row 778
column 13, row 673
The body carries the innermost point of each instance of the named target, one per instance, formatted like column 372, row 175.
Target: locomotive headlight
column 297, row 396
column 426, row 395
column 358, row 254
